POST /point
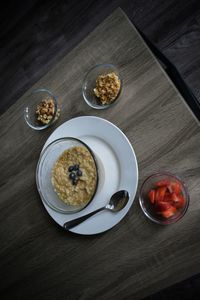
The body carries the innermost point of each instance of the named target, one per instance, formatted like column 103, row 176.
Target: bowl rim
column 37, row 172
column 85, row 79
column 55, row 99
column 145, row 211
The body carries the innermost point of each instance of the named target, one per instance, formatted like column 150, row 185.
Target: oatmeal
column 107, row 88
column 74, row 176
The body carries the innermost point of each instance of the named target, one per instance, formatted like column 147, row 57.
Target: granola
column 107, row 88
column 45, row 110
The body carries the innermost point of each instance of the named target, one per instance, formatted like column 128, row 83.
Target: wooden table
column 39, row 260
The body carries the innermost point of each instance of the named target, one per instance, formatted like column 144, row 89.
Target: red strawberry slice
column 163, row 182
column 156, row 196
column 169, row 212
column 162, row 206
column 151, row 195
column 174, row 197
column 175, row 187
column 178, row 200
column 168, row 197
column 160, row 194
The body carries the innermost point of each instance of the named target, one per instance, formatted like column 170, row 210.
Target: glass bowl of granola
column 102, row 86
column 41, row 110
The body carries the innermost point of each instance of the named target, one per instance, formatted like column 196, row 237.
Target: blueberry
column 72, row 175
column 71, row 168
column 76, row 167
column 79, row 173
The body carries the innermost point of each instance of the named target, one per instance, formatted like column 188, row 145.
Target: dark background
column 34, row 35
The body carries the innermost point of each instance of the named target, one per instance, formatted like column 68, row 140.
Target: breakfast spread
column 167, row 197
column 107, row 88
column 74, row 176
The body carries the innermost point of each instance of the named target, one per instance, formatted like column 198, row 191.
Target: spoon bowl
column 118, row 201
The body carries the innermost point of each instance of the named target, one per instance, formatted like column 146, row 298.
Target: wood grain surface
column 136, row 258
column 35, row 34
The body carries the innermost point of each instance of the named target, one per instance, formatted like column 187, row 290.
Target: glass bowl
column 152, row 210
column 35, row 97
column 45, row 164
column 89, row 84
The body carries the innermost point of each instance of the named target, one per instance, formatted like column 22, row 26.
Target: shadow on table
column 188, row 289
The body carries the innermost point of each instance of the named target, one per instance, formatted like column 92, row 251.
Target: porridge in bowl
column 74, row 176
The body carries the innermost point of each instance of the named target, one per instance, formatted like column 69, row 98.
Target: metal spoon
column 116, row 203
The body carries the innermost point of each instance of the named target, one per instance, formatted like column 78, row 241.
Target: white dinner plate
column 117, row 166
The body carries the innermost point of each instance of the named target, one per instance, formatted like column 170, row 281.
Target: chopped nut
column 45, row 110
column 107, row 88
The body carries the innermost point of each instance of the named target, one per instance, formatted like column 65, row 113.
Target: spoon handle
column 70, row 224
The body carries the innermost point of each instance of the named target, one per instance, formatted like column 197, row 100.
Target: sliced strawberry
column 175, row 187
column 156, row 196
column 181, row 202
column 174, row 197
column 169, row 189
column 169, row 212
column 163, row 182
column 162, row 206
column 151, row 195
column 168, row 197
column 161, row 193
column 178, row 200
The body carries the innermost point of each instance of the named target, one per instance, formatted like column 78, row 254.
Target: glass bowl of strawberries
column 164, row 198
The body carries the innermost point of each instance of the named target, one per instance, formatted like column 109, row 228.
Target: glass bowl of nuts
column 102, row 86
column 42, row 109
